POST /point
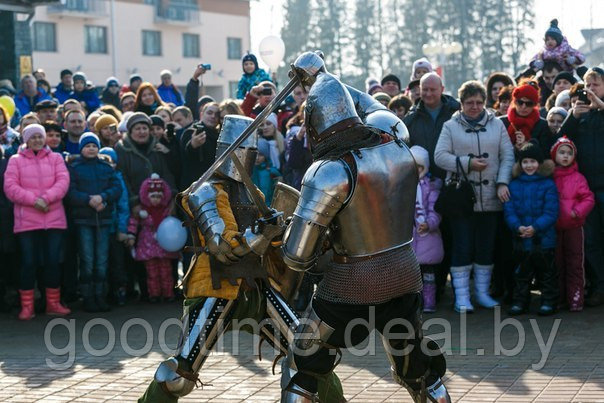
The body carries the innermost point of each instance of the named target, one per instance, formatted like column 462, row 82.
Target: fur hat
column 530, row 150
column 562, row 141
column 554, row 32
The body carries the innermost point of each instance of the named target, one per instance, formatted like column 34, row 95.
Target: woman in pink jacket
column 36, row 180
column 576, row 202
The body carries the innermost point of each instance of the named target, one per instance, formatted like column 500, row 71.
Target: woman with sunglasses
column 523, row 121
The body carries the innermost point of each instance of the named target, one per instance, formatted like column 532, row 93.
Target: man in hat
column 167, row 91
column 46, row 110
column 29, row 95
column 225, row 282
column 65, row 87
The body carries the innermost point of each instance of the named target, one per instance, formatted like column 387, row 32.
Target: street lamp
column 441, row 51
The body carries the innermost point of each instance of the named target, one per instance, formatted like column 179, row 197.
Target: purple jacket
column 428, row 248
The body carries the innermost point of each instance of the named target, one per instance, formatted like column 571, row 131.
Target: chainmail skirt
column 373, row 281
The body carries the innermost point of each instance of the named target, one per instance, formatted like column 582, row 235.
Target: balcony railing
column 181, row 14
column 80, row 8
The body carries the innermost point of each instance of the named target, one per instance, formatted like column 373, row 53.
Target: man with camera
column 192, row 99
column 258, row 98
column 585, row 127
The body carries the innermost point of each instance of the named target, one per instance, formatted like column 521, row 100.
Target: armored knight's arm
column 325, row 188
column 203, row 204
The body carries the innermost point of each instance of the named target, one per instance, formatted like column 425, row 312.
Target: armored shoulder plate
column 380, row 213
column 325, row 188
column 202, row 203
column 364, row 103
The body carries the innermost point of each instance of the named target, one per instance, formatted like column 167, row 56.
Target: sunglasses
column 520, row 102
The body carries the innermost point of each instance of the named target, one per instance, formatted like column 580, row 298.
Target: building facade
column 106, row 38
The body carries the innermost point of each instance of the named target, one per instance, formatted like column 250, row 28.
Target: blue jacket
column 89, row 97
column 61, row 94
column 170, row 95
column 122, row 208
column 264, row 177
column 26, row 104
column 92, row 177
column 534, row 201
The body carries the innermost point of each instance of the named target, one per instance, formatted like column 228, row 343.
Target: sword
column 293, row 83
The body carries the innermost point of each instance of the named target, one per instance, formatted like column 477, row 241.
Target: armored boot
column 460, row 278
column 53, row 303
column 27, row 305
column 482, row 282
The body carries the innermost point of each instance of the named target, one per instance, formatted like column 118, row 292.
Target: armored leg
column 280, row 332
column 205, row 320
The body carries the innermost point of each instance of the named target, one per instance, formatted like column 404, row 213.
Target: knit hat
column 79, row 76
column 526, row 91
column 381, row 97
column 375, row 88
column 558, row 110
column 421, row 63
column 104, row 121
column 137, row 117
column 273, row 119
column 249, row 57
column 554, row 32
column 32, row 129
column 112, row 81
column 66, row 72
column 156, row 184
column 391, row 77
column 421, row 156
column 110, row 152
column 134, row 77
column 156, row 120
column 88, row 138
column 565, row 75
column 562, row 97
column 370, row 81
column 530, row 150
column 165, row 72
column 562, row 141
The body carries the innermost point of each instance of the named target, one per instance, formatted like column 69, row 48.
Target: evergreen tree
column 327, row 32
column 365, row 40
column 295, row 32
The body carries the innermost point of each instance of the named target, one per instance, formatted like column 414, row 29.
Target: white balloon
column 171, row 235
column 272, row 50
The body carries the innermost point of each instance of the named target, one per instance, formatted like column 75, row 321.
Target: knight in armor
column 225, row 281
column 357, row 198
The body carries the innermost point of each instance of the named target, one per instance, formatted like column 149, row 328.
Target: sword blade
column 246, row 133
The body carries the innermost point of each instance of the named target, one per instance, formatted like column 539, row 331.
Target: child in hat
column 531, row 213
column 252, row 75
column 576, row 202
column 557, row 49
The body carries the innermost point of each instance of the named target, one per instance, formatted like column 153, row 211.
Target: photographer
column 198, row 145
column 585, row 127
column 259, row 97
column 192, row 99
column 167, row 143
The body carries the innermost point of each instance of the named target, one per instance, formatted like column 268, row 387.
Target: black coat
column 587, row 133
column 195, row 161
column 541, row 135
column 424, row 131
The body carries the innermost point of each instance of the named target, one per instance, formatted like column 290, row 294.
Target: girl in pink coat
column 155, row 197
column 576, row 202
column 427, row 241
column 36, row 180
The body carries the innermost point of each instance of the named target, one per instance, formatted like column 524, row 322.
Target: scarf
column 523, row 123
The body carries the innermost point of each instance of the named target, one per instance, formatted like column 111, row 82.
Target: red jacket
column 251, row 109
column 574, row 196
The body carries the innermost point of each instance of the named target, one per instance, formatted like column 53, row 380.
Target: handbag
column 457, row 197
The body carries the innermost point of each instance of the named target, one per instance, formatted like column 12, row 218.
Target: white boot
column 482, row 281
column 460, row 278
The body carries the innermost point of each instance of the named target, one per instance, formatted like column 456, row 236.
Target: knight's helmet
column 329, row 109
column 232, row 127
column 389, row 123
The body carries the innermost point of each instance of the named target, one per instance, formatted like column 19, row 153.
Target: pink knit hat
column 32, row 129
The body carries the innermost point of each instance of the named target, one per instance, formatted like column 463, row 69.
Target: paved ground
column 573, row 371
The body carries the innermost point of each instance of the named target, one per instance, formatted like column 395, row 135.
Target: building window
column 95, row 39
column 151, row 43
column 234, row 48
column 233, row 87
column 45, row 37
column 190, row 45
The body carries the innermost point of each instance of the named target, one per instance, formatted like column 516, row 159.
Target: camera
column 205, row 66
column 583, row 97
column 170, row 130
column 266, row 91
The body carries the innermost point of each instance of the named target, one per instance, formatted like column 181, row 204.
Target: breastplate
column 380, row 212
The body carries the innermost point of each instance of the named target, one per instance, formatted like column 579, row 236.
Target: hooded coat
column 145, row 228
column 534, row 202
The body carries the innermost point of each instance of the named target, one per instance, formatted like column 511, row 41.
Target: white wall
column 131, row 19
